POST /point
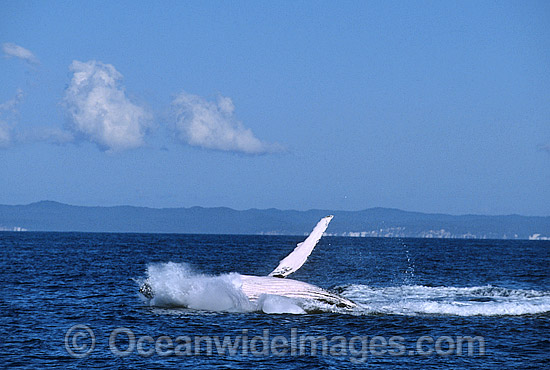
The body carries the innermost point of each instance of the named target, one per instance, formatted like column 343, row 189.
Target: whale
column 277, row 283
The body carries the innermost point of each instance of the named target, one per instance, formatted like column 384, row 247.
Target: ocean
column 71, row 300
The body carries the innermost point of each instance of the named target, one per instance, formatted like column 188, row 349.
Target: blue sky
column 429, row 106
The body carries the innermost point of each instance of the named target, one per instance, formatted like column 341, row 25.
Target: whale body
column 277, row 284
column 256, row 286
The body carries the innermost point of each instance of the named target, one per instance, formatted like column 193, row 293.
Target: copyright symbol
column 79, row 341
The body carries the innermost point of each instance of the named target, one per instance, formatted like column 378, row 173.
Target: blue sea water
column 63, row 295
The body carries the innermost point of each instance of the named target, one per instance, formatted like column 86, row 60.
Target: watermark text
column 80, row 341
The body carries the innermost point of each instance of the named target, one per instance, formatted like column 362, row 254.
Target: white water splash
column 276, row 304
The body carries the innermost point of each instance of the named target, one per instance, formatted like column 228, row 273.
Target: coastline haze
column 373, row 222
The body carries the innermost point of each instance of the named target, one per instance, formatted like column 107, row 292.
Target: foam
column 275, row 304
column 456, row 301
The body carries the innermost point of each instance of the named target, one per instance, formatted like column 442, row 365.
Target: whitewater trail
column 455, row 301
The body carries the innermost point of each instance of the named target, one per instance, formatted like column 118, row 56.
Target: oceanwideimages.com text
column 80, row 341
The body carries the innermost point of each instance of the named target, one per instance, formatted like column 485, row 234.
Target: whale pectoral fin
column 299, row 255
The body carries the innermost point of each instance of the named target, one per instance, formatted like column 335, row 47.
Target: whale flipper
column 299, row 255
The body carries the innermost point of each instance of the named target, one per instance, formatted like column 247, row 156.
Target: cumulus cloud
column 8, row 111
column 16, row 51
column 213, row 125
column 99, row 109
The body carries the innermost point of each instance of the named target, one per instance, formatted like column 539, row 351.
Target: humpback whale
column 276, row 283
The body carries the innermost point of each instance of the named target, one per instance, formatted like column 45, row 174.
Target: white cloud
column 10, row 134
column 50, row 135
column 213, row 125
column 8, row 111
column 99, row 109
column 10, row 106
column 16, row 51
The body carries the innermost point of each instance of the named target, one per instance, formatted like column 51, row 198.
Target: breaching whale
column 277, row 283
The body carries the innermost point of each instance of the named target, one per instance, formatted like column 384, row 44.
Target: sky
column 430, row 106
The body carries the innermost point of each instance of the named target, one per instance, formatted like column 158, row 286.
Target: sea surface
column 71, row 300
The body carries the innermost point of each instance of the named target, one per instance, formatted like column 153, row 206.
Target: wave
column 177, row 285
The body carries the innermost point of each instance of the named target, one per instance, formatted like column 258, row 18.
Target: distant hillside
column 379, row 222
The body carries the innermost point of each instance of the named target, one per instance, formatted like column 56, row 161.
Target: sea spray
column 177, row 285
